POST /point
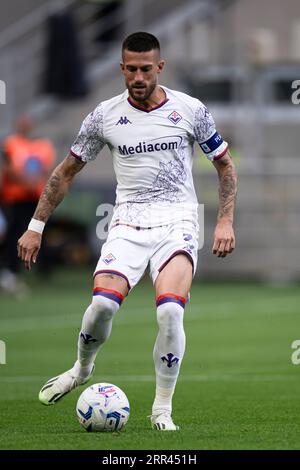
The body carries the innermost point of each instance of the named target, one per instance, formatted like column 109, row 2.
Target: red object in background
column 28, row 164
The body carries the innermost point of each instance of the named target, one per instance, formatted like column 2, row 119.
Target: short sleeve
column 210, row 141
column 90, row 140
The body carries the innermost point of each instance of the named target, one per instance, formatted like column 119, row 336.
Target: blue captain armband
column 212, row 143
column 215, row 147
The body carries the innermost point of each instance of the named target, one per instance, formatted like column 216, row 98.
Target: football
column 103, row 407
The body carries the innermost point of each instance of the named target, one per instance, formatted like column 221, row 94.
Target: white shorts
column 129, row 251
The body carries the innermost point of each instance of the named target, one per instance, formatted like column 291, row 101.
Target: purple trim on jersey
column 76, row 156
column 117, row 273
column 163, row 299
column 178, row 252
column 217, row 157
column 147, row 110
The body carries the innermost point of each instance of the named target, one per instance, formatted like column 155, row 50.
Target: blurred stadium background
column 59, row 59
column 239, row 57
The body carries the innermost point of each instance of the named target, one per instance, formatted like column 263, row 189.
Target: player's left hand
column 224, row 239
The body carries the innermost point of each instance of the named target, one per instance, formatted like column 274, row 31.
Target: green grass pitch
column 238, row 388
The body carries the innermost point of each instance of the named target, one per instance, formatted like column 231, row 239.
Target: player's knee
column 170, row 318
column 103, row 308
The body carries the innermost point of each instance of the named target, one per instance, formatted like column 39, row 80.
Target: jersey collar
column 140, row 108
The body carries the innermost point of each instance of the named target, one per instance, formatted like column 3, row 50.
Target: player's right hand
column 28, row 247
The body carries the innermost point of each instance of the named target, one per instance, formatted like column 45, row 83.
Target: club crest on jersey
column 174, row 117
column 123, row 120
column 109, row 258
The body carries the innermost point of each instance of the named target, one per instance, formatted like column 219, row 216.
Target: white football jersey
column 152, row 154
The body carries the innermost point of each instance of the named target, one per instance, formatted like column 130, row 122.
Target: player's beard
column 142, row 92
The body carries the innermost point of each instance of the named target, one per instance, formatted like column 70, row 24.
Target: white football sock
column 168, row 350
column 163, row 400
column 95, row 329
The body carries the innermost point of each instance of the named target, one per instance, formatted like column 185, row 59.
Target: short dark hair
column 140, row 42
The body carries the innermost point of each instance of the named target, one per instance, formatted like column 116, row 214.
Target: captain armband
column 215, row 147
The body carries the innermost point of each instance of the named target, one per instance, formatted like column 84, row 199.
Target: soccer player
column 150, row 131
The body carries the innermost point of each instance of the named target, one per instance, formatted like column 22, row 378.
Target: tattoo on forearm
column 227, row 189
column 56, row 187
column 52, row 195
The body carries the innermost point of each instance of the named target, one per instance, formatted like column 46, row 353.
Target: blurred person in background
column 151, row 131
column 26, row 165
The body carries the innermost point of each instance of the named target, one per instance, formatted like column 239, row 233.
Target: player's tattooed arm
column 227, row 186
column 56, row 187
column 224, row 239
column 58, row 184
